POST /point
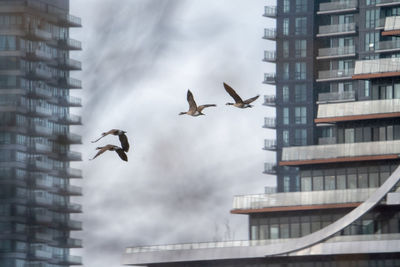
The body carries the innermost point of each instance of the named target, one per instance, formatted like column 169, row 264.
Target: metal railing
column 269, row 144
column 336, row 96
column 381, row 65
column 269, row 122
column 269, row 55
column 260, row 201
column 392, row 23
column 337, row 5
column 388, row 45
column 70, row 100
column 270, row 168
column 74, row 172
column 336, row 51
column 269, row 100
column 337, row 28
column 269, row 77
column 72, row 63
column 270, row 11
column 387, row 2
column 335, row 74
column 326, row 140
column 269, row 33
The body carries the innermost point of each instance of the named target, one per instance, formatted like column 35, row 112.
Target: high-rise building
column 337, row 146
column 35, row 137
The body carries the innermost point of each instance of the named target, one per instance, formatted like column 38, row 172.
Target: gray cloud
column 139, row 59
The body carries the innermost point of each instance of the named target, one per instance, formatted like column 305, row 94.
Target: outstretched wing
column 233, row 94
column 192, row 103
column 102, row 150
column 124, row 142
column 200, row 108
column 105, row 134
column 248, row 101
column 121, row 154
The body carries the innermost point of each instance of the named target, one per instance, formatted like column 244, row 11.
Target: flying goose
column 117, row 149
column 195, row 110
column 239, row 102
column 121, row 135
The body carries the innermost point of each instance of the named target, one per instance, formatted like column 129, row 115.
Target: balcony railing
column 392, row 23
column 335, row 52
column 269, row 168
column 40, row 165
column 38, row 55
column 70, row 101
column 38, row 74
column 387, row 2
column 40, row 148
column 270, row 56
column 74, row 173
column 42, row 237
column 388, row 46
column 70, row 242
column 40, row 111
column 337, row 6
column 69, row 20
column 326, row 140
column 270, row 11
column 336, row 96
column 70, row 44
column 330, row 75
column 40, row 92
column 269, row 144
column 269, row 78
column 69, row 82
column 39, row 253
column 270, row 33
column 41, row 130
column 70, row 119
column 345, row 111
column 336, row 29
column 75, row 225
column 269, row 100
column 376, row 68
column 262, row 201
column 38, row 35
column 269, row 122
column 322, row 153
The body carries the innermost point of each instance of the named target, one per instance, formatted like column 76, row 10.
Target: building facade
column 36, row 204
column 337, row 145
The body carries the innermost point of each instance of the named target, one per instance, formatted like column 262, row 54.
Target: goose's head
column 229, row 104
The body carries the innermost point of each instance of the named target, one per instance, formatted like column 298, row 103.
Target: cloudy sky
column 140, row 57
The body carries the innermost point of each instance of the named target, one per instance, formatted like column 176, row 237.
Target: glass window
column 300, row 115
column 286, row 26
column 8, row 42
column 285, row 93
column 352, row 178
column 318, row 183
column 285, row 137
column 286, row 184
column 300, row 137
column 285, row 46
column 284, row 227
column 306, row 183
column 294, row 228
column 300, row 72
column 329, row 181
column 300, row 26
column 371, row 18
column 341, row 181
column 301, row 48
column 264, row 231
column 315, row 223
column 254, row 232
column 286, row 71
column 362, row 178
column 373, row 178
column 286, row 6
column 286, row 116
column 349, row 135
column 274, row 231
column 300, row 93
column 301, row 5
column 305, row 228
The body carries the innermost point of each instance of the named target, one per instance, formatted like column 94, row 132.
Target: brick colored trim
column 375, row 75
column 358, row 117
column 391, row 32
column 336, row 160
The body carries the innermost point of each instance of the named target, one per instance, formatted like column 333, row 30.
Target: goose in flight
column 121, row 135
column 117, row 149
column 239, row 102
column 195, row 110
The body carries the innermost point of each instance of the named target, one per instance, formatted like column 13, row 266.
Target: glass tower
column 35, row 137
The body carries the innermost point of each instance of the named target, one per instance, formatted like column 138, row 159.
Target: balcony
column 39, row 111
column 270, row 34
column 269, row 144
column 377, row 68
column 69, row 44
column 270, row 123
column 40, row 165
column 269, row 56
column 337, row 7
column 381, row 3
column 392, row 26
column 350, row 152
column 269, row 100
column 69, row 260
column 336, row 29
column 270, row 11
column 270, row 168
column 39, row 148
column 41, row 237
column 38, row 55
column 73, row 173
column 69, row 101
column 299, row 200
column 326, row 140
column 39, row 130
column 70, row 190
column 70, row 119
column 67, row 207
column 68, row 20
column 41, row 254
column 45, row 219
column 69, row 138
column 74, row 225
column 68, row 64
column 269, row 78
column 38, row 35
column 388, row 46
column 70, row 242
column 335, row 75
column 359, row 110
column 336, row 97
column 38, row 74
column 39, row 92
column 69, row 82
column 336, row 52
column 70, row 156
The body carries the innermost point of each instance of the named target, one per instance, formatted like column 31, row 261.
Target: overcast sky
column 139, row 58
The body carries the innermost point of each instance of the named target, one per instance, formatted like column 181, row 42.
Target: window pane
column 329, row 182
column 341, row 181
column 286, row 26
column 352, row 178
column 306, row 184
column 318, row 183
column 285, row 49
column 373, row 179
column 274, row 231
column 285, row 93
